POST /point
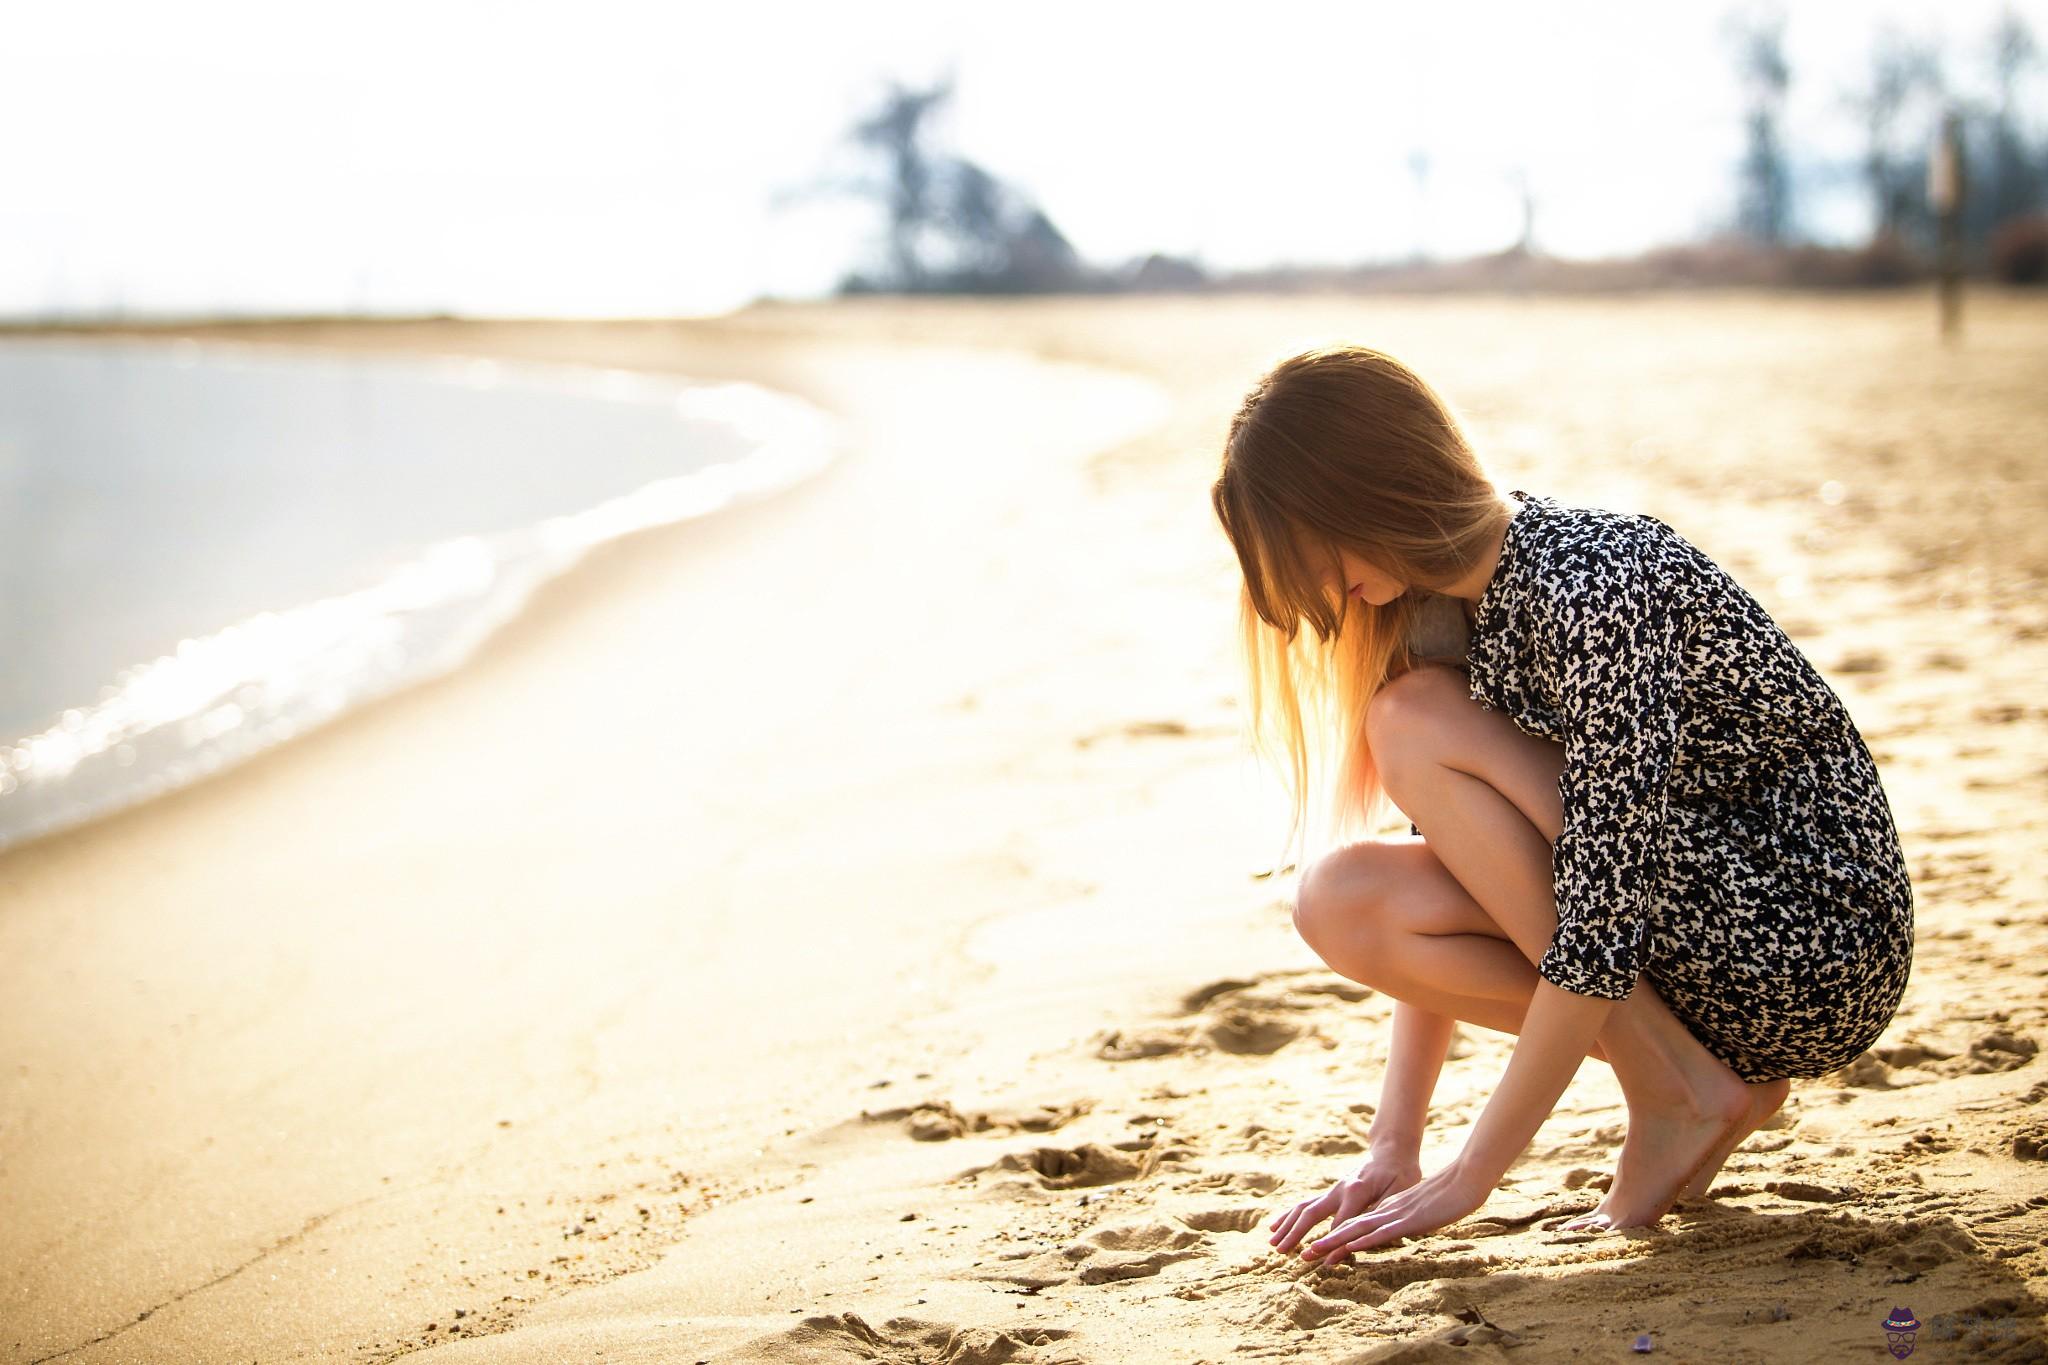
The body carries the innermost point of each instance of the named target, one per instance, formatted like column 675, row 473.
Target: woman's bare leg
column 1397, row 915
column 1351, row 915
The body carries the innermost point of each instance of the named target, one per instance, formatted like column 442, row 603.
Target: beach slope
column 845, row 928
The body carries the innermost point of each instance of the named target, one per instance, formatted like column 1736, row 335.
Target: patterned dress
column 1725, row 831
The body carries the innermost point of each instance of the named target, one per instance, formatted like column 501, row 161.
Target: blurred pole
column 1945, row 196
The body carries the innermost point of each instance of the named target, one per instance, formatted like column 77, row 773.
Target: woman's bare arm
column 1415, row 1058
column 1557, row 1031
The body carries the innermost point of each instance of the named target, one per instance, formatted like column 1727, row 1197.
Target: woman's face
column 1354, row 578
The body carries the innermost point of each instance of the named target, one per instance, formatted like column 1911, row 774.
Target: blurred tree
column 952, row 225
column 2013, row 181
column 896, row 130
column 975, row 209
column 1896, row 149
column 1764, row 204
column 1947, row 183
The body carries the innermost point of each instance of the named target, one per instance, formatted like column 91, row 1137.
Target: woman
column 1642, row 826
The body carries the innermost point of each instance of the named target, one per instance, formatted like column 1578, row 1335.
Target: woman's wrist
column 1394, row 1146
column 1472, row 1170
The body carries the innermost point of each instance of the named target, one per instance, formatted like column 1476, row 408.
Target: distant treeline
column 954, row 227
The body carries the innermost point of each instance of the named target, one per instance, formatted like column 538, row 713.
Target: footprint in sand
column 1255, row 1016
column 937, row 1120
column 1237, row 1182
column 1925, row 1144
column 1069, row 1168
column 1913, row 1053
column 1425, row 1285
column 1107, row 1255
column 1281, row 992
column 2000, row 1050
column 1241, row 1032
column 1914, row 1246
column 1234, row 1218
column 1808, row 1192
column 1421, row 1283
column 1332, row 1145
column 1866, row 1072
column 1117, row 1045
column 1299, row 1305
column 1132, row 1251
column 1995, row 1049
column 905, row 1341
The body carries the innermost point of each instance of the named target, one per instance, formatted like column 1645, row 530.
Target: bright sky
column 602, row 157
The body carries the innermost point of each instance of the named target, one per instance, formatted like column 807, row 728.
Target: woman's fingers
column 1383, row 1224
column 1287, row 1214
column 1303, row 1217
column 1348, row 1198
column 1362, row 1234
column 1420, row 1209
column 1376, row 1187
column 1340, row 1203
column 1357, row 1200
column 1290, row 1223
column 1344, row 1235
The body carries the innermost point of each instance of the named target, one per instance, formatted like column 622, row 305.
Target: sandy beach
column 847, row 928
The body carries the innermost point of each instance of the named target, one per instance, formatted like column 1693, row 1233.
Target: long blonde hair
column 1341, row 446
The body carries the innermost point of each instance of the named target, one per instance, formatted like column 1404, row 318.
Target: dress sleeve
column 1616, row 639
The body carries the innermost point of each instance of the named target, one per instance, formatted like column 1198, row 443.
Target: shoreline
column 296, row 665
column 242, row 834
column 948, row 1011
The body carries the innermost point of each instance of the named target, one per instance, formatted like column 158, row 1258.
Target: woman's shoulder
column 1577, row 550
column 1568, row 528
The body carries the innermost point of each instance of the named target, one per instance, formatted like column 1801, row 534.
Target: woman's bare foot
column 1665, row 1147
column 1765, row 1097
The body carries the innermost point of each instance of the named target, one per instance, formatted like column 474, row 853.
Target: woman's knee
column 1426, row 719
column 1341, row 904
column 1405, row 712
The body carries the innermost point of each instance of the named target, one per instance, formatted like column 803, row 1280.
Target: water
column 207, row 550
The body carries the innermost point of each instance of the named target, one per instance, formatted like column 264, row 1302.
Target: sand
column 848, row 929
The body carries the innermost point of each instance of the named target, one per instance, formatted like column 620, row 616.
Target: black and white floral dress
column 1725, row 830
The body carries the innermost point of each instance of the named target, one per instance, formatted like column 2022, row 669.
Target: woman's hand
column 1439, row 1201
column 1378, row 1178
column 1420, row 1208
